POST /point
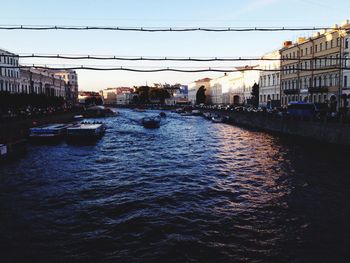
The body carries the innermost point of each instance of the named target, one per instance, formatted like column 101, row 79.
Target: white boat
column 196, row 113
column 186, row 113
column 48, row 132
column 217, row 119
column 86, row 130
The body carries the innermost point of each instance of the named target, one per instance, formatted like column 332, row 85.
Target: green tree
column 200, row 95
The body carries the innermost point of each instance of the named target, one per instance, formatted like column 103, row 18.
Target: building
column 313, row 69
column 269, row 83
column 71, row 80
column 194, row 86
column 218, row 87
column 89, row 98
column 9, row 77
column 178, row 95
column 33, row 80
column 235, row 87
column 41, row 82
column 119, row 95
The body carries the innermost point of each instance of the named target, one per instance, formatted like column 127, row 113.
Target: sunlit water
column 191, row 191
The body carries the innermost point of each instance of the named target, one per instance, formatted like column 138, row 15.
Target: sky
column 157, row 13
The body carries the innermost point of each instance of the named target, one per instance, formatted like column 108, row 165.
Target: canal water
column 190, row 191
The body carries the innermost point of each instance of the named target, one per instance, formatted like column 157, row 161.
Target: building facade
column 193, row 88
column 70, row 78
column 9, row 77
column 119, row 95
column 269, row 83
column 41, row 82
column 313, row 69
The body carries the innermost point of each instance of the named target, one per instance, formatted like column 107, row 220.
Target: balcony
column 291, row 91
column 318, row 90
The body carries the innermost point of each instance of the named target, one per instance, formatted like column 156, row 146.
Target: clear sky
column 158, row 13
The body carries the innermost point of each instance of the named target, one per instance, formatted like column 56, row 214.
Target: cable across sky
column 210, row 69
column 166, row 29
column 152, row 58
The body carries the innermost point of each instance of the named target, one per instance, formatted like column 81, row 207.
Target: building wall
column 269, row 83
column 41, row 82
column 9, row 77
column 321, row 77
column 71, row 80
column 194, row 86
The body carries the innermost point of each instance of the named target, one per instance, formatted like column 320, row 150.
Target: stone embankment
column 327, row 132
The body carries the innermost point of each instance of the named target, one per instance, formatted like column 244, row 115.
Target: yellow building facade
column 313, row 69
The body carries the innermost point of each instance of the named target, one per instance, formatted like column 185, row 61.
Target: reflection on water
column 189, row 191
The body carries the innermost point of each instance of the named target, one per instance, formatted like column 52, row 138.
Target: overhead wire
column 165, row 58
column 164, row 29
column 210, row 69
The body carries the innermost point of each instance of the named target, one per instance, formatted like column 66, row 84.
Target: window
column 338, row 41
column 306, row 51
column 345, row 81
column 326, row 45
column 315, row 48
column 321, row 45
column 311, row 50
column 346, row 43
column 332, row 43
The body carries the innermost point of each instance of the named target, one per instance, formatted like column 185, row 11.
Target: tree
column 159, row 94
column 255, row 95
column 143, row 93
column 200, row 96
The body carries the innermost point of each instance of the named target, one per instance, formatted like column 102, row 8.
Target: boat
column 3, row 151
column 151, row 122
column 196, row 113
column 217, row 119
column 86, row 130
column 48, row 132
column 207, row 115
column 186, row 113
column 78, row 117
column 98, row 112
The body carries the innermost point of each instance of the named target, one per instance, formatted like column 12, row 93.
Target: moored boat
column 86, row 130
column 217, row 119
column 207, row 115
column 151, row 122
column 196, row 113
column 48, row 132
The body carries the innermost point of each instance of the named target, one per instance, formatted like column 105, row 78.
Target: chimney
column 287, row 44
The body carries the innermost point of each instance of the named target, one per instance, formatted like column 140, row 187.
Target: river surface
column 190, row 191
